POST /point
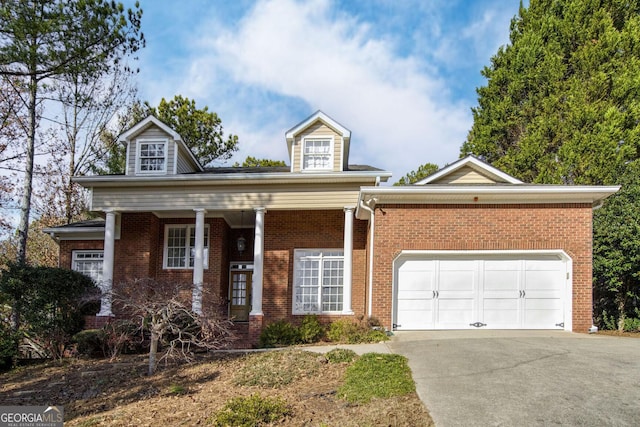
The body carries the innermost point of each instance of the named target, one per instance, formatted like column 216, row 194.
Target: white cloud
column 399, row 114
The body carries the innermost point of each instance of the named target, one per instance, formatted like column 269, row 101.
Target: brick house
column 467, row 247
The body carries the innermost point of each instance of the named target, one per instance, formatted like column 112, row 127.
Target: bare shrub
column 164, row 310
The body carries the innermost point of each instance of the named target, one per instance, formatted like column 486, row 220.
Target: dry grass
column 99, row 393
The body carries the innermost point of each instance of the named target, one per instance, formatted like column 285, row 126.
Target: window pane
column 89, row 264
column 180, row 250
column 176, row 246
column 152, row 157
column 318, row 281
column 317, row 154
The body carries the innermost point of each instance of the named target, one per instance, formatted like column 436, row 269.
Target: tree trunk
column 153, row 350
column 25, row 203
column 621, row 311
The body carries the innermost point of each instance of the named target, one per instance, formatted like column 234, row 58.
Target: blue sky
column 400, row 74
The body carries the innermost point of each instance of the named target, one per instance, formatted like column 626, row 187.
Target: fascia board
column 226, row 179
column 143, row 124
column 514, row 193
column 318, row 115
column 476, row 164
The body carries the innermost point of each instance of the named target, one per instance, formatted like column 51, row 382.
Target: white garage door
column 491, row 293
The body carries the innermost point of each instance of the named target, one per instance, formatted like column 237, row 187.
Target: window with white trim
column 318, row 281
column 179, row 246
column 88, row 263
column 317, row 154
column 152, row 156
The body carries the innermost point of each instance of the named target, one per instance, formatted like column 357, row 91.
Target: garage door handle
column 436, row 294
column 522, row 294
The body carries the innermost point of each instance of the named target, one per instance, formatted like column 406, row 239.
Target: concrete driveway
column 523, row 378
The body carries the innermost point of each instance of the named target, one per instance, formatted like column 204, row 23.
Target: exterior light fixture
column 241, row 243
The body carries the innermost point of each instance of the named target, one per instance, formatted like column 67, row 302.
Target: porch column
column 198, row 262
column 106, row 286
column 348, row 260
column 258, row 264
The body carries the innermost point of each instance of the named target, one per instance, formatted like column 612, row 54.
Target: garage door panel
column 543, row 304
column 500, row 303
column 416, row 280
column 543, row 280
column 409, row 319
column 415, row 304
column 454, row 319
column 456, row 281
column 501, row 281
column 501, row 319
column 542, row 319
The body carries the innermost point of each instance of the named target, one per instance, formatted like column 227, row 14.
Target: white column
column 107, row 264
column 348, row 260
column 198, row 262
column 258, row 264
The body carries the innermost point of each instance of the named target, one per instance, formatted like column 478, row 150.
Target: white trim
column 126, row 159
column 230, row 178
column 175, row 158
column 145, row 123
column 318, row 115
column 332, row 159
column 258, row 263
column 476, row 164
column 347, row 253
column 485, row 194
column 241, row 266
column 165, row 247
column 139, row 143
column 477, row 254
column 342, row 148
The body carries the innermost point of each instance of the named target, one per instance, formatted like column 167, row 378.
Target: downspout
column 373, row 227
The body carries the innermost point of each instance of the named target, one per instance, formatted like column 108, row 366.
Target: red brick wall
column 484, row 227
column 289, row 230
column 216, row 276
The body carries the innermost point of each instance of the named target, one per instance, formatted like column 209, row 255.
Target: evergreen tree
column 418, row 175
column 562, row 101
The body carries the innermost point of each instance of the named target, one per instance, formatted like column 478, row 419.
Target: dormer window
column 152, row 156
column 317, row 154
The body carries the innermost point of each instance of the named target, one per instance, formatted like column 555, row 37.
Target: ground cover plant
column 377, row 376
column 120, row 393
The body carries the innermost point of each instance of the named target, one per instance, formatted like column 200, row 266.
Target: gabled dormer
column 469, row 170
column 154, row 149
column 318, row 144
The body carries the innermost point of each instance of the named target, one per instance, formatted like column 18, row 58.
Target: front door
column 240, row 295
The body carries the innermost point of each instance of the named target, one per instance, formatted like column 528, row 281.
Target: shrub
column 341, row 355
column 8, row 346
column 49, row 303
column 311, row 330
column 631, row 324
column 348, row 331
column 376, row 375
column 90, row 342
column 124, row 336
column 251, row 411
column 278, row 334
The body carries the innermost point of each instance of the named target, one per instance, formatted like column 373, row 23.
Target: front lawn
column 99, row 393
